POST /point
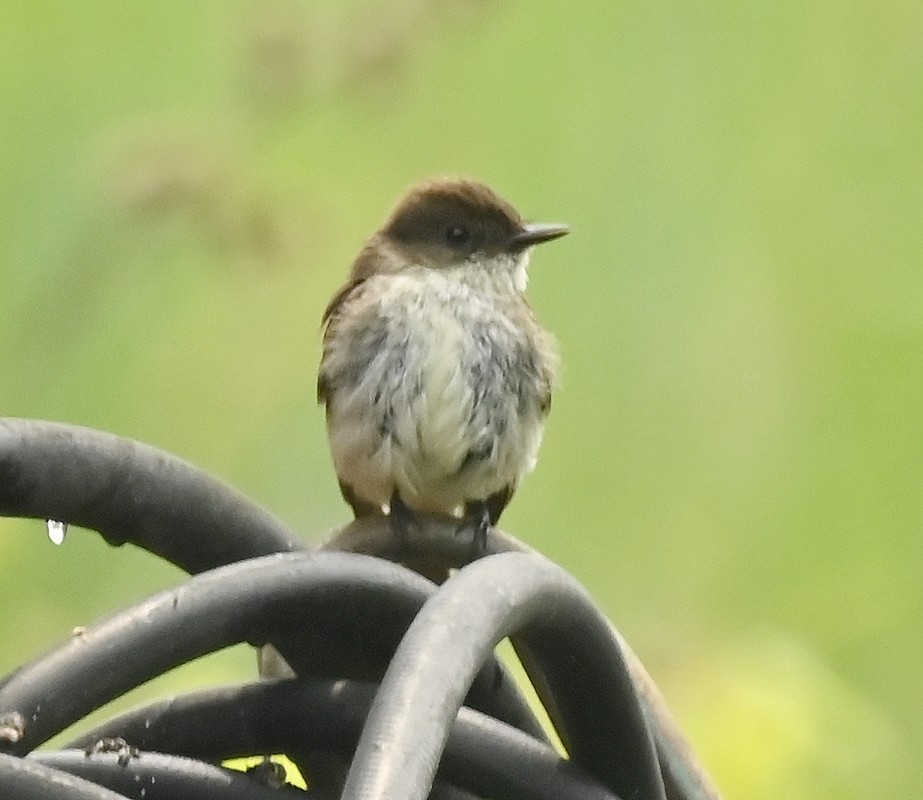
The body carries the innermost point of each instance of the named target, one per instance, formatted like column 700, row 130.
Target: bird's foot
column 403, row 521
column 477, row 520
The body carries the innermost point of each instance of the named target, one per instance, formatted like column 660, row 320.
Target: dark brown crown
column 448, row 218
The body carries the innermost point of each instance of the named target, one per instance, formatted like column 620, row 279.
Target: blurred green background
column 733, row 464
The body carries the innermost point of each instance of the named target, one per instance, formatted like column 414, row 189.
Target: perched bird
column 436, row 375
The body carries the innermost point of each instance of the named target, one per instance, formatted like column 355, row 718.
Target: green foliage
column 734, row 461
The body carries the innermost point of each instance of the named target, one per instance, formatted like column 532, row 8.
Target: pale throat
column 503, row 273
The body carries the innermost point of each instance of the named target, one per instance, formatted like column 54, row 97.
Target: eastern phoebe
column 435, row 374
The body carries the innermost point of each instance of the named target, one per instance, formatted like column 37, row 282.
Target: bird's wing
column 336, row 302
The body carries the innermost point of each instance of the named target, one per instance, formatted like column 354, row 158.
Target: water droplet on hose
column 57, row 531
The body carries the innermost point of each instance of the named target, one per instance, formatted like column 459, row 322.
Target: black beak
column 536, row 233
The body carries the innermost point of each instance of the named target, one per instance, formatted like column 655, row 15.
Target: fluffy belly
column 437, row 418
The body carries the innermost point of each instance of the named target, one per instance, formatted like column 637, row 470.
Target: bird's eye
column 456, row 235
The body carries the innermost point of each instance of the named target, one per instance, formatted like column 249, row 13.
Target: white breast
column 416, row 411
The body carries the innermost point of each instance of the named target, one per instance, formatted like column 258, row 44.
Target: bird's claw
column 476, row 520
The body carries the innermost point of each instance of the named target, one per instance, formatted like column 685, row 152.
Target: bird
column 435, row 375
